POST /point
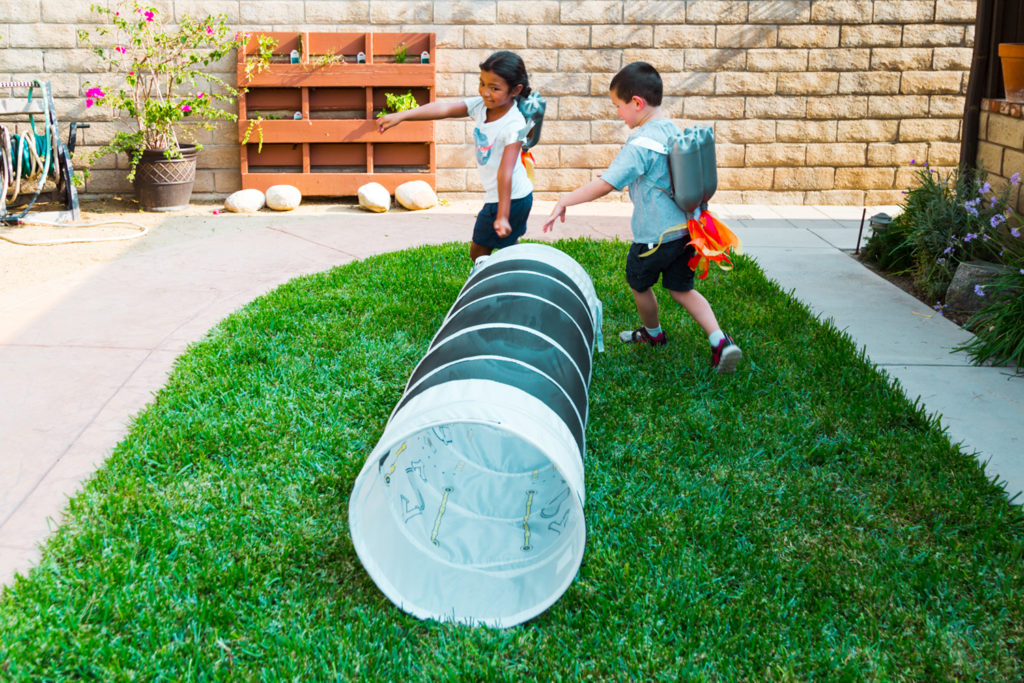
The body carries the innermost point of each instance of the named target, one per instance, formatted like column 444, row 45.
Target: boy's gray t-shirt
column 653, row 210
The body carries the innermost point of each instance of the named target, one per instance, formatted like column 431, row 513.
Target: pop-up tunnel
column 470, row 507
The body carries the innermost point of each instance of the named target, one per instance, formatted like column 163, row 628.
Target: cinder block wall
column 812, row 101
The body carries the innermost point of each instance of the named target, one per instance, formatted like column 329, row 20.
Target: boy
column 636, row 93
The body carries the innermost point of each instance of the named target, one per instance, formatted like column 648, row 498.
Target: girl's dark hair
column 640, row 79
column 510, row 67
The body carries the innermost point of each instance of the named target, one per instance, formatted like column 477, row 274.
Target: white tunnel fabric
column 470, row 507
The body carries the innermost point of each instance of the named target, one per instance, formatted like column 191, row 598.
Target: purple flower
column 993, row 202
column 1015, row 179
column 941, row 260
column 970, row 209
column 1015, row 232
column 970, row 236
column 986, row 188
column 996, row 220
column 947, row 250
column 913, row 161
column 979, row 290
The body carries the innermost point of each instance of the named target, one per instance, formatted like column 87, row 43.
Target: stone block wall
column 1001, row 146
column 812, row 101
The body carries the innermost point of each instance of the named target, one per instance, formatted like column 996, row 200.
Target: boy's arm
column 594, row 189
column 505, row 169
column 432, row 110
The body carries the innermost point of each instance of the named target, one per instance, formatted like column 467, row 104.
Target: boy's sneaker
column 641, row 336
column 726, row 356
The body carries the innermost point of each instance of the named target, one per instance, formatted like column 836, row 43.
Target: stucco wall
column 812, row 101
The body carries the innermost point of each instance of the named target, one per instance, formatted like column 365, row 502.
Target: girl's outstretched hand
column 556, row 213
column 388, row 121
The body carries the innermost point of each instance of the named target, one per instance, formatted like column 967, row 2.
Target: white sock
column 716, row 337
column 653, row 331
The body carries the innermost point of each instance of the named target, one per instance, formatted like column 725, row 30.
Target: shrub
column 954, row 218
column 890, row 247
column 999, row 325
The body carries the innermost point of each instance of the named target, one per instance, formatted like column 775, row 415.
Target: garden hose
column 142, row 230
column 29, row 154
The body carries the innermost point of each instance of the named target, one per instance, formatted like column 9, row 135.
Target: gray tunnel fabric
column 470, row 507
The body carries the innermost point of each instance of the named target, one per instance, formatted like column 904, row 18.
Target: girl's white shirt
column 489, row 142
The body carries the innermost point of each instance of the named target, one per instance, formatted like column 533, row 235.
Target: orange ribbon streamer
column 712, row 241
column 528, row 162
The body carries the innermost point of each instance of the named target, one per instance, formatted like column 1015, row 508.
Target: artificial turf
column 800, row 519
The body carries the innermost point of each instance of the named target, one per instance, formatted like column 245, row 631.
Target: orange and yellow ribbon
column 711, row 240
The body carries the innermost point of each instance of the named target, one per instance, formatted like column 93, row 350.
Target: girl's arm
column 592, row 190
column 432, row 110
column 508, row 164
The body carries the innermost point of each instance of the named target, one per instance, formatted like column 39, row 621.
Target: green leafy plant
column 999, row 325
column 166, row 87
column 394, row 103
column 400, row 51
column 952, row 218
column 889, row 247
column 328, row 59
column 257, row 63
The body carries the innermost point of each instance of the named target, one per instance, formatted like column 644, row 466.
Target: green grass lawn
column 798, row 520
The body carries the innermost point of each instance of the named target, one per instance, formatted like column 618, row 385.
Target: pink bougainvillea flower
column 88, row 102
column 200, row 95
column 209, row 31
column 95, row 92
column 149, row 16
column 120, row 48
column 216, row 212
column 186, row 108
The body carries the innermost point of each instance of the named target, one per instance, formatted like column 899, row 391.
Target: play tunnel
column 470, row 507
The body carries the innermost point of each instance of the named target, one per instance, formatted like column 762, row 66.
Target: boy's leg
column 641, row 274
column 647, row 307
column 698, row 308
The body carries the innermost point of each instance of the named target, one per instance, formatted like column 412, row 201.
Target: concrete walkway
column 84, row 348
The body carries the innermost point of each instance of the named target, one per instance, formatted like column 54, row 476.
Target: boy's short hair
column 638, row 79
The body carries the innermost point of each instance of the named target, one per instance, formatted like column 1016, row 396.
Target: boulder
column 374, row 197
column 283, row 197
column 245, row 201
column 416, row 195
column 970, row 278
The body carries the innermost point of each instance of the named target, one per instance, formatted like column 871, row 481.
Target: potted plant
column 165, row 91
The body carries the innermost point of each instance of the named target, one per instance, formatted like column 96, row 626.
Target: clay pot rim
column 1011, row 50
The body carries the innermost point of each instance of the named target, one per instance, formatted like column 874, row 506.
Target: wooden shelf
column 334, row 147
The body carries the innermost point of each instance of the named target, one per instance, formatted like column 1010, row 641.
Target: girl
column 498, row 138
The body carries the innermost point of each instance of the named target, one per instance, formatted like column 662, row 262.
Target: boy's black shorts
column 483, row 231
column 669, row 262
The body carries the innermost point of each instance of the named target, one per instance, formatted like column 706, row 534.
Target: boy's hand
column 556, row 213
column 388, row 121
column 502, row 227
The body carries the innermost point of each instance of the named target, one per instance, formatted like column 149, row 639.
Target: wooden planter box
column 335, row 147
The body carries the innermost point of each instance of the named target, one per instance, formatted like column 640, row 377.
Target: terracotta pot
column 1012, row 57
column 163, row 184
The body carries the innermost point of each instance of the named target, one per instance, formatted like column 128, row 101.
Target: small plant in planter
column 255, row 64
column 394, row 103
column 400, row 51
column 166, row 89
